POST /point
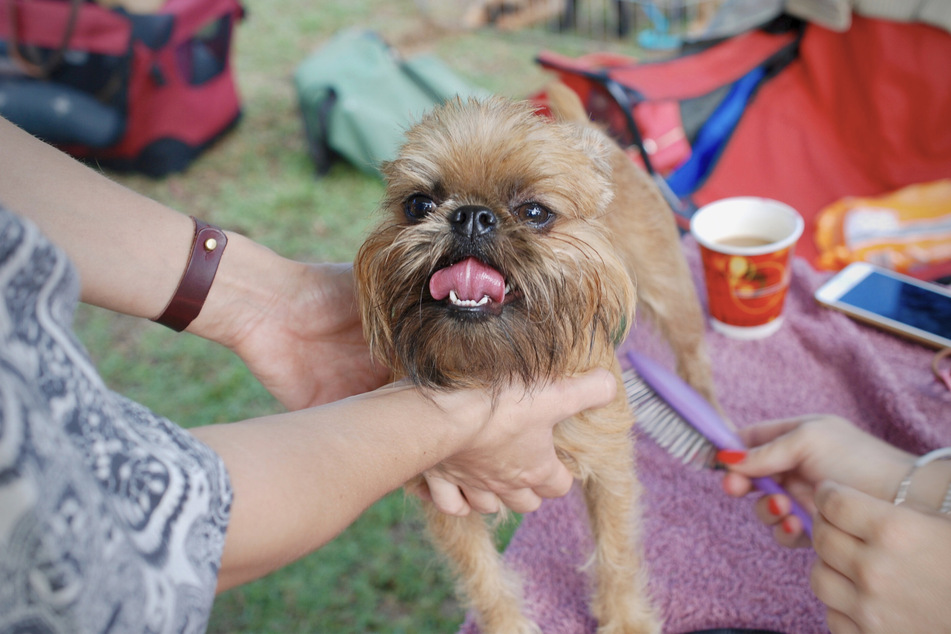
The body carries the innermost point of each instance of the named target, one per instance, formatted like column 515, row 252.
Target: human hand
column 511, row 461
column 295, row 325
column 309, row 349
column 802, row 452
column 881, row 567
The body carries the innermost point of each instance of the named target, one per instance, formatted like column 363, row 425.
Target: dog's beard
column 525, row 303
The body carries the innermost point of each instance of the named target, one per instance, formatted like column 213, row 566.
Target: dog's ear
column 564, row 103
column 595, row 144
column 566, row 107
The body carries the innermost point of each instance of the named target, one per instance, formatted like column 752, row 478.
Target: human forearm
column 130, row 250
column 301, row 478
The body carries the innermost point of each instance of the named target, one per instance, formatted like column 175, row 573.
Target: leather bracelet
column 207, row 247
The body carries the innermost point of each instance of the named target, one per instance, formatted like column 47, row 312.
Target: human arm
column 129, row 250
column 294, row 324
column 300, row 478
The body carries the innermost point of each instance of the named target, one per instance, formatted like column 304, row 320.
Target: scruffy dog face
column 492, row 262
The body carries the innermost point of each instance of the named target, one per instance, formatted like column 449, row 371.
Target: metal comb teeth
column 664, row 426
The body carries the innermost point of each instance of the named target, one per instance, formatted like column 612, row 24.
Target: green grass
column 381, row 574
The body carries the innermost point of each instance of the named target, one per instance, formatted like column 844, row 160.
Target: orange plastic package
column 908, row 230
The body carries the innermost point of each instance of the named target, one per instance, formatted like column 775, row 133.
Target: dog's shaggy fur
column 540, row 230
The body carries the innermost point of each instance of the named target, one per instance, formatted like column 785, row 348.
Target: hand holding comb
column 684, row 424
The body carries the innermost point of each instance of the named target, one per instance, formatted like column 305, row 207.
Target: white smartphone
column 898, row 303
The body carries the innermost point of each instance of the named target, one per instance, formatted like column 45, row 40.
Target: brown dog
column 509, row 252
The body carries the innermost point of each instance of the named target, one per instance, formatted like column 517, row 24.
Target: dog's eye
column 534, row 214
column 418, row 207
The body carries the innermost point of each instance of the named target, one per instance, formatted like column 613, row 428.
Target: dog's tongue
column 470, row 279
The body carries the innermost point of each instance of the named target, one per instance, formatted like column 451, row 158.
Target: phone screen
column 905, row 303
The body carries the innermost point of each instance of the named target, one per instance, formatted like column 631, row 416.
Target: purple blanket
column 711, row 563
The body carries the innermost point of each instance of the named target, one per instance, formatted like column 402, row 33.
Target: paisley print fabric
column 111, row 518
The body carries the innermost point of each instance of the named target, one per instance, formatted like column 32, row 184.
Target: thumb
column 590, row 390
column 781, row 454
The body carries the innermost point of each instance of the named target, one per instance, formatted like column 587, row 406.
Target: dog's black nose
column 473, row 221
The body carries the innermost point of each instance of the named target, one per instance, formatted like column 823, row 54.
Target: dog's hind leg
column 493, row 591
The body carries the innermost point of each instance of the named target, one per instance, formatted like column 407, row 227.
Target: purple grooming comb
column 684, row 423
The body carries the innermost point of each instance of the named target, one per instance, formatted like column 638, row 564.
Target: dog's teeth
column 454, row 299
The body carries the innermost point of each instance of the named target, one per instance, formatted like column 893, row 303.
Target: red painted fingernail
column 787, row 526
column 775, row 509
column 731, row 456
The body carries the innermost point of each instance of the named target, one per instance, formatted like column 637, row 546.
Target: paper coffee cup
column 746, row 245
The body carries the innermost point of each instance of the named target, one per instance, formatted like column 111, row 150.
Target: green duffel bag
column 358, row 96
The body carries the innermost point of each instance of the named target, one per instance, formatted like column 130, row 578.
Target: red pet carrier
column 143, row 92
column 674, row 116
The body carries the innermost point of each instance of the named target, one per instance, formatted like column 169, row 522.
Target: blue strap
column 712, row 137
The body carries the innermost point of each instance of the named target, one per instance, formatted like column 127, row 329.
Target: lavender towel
column 711, row 564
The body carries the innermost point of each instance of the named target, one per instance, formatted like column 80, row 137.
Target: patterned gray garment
column 111, row 517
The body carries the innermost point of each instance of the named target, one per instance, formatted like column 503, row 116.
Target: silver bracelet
column 938, row 454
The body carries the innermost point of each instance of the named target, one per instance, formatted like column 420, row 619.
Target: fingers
column 558, row 483
column 446, row 496
column 833, row 576
column 845, row 516
column 839, row 595
column 772, row 510
column 849, row 510
column 736, row 485
column 828, row 583
column 522, row 501
column 768, row 431
column 481, row 501
column 785, row 445
column 460, row 500
column 526, row 500
column 782, row 453
column 839, row 623
column 776, row 511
